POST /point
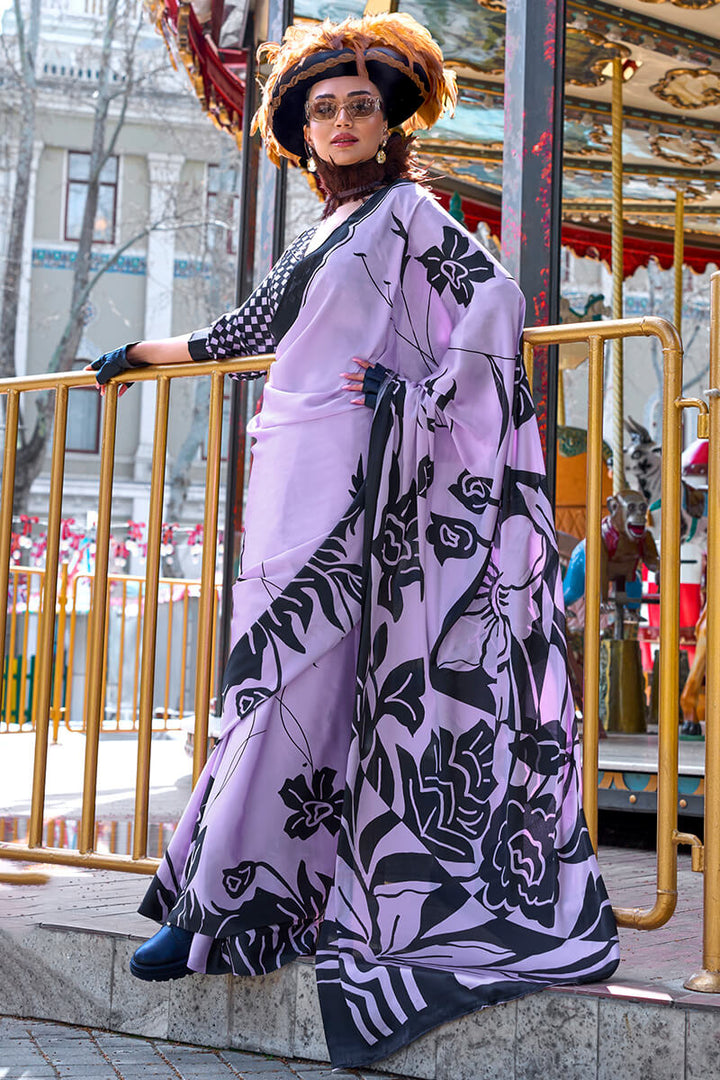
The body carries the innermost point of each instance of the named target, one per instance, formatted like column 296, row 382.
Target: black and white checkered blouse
column 248, row 329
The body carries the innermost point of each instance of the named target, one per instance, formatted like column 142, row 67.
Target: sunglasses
column 325, row 109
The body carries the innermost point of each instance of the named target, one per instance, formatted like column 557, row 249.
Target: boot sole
column 164, row 973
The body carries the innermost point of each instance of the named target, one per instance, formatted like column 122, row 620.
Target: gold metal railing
column 86, row 855
column 668, row 837
column 25, row 587
column 18, row 706
column 596, row 334
column 707, row 980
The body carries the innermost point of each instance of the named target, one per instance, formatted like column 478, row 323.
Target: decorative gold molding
column 493, row 5
column 677, row 89
column 688, row 5
column 682, row 149
column 590, row 43
column 636, row 206
column 598, row 141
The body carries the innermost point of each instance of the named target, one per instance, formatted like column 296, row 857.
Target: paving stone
column 50, row 1030
column 210, row 1071
column 255, row 1063
column 32, row 1073
column 75, row 1054
column 140, row 1055
column 13, row 1029
column 556, row 1035
column 378, row 1076
column 194, row 1063
column 640, row 1042
column 144, row 1072
column 120, row 1048
column 26, row 1056
column 181, row 1055
column 320, row 1072
column 85, row 1072
column 262, row 1015
column 285, row 1074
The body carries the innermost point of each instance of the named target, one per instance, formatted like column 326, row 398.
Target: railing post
column 595, row 334
column 11, row 651
column 46, row 632
column 149, row 642
column 56, row 710
column 206, row 604
column 96, row 624
column 71, row 652
column 591, row 677
column 707, row 980
column 6, row 508
column 667, row 790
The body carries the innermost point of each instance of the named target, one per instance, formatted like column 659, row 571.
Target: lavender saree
column 396, row 787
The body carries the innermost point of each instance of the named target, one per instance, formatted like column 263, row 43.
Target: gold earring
column 381, row 156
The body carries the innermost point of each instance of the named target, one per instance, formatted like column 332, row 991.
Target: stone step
column 637, row 1032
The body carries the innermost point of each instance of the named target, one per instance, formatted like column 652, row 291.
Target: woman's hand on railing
column 114, row 363
column 163, row 351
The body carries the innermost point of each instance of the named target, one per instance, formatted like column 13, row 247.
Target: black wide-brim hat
column 398, row 55
column 403, row 88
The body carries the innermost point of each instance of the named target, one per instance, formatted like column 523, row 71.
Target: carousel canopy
column 671, row 116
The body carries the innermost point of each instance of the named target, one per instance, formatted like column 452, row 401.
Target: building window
column 77, row 185
column 83, row 419
column 222, row 213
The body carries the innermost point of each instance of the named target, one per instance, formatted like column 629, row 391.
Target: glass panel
column 105, row 217
column 75, row 207
column 77, row 193
column 78, row 166
column 108, row 174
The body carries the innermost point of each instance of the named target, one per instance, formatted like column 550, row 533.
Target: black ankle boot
column 164, row 956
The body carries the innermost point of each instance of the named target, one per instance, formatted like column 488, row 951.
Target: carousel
column 636, row 135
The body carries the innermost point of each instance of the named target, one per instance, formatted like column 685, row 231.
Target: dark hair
column 339, row 184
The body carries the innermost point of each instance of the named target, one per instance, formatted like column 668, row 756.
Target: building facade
column 165, row 232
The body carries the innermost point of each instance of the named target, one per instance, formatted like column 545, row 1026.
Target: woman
column 395, row 789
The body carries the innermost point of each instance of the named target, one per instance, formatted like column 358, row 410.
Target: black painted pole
column 235, row 475
column 532, row 183
column 261, row 242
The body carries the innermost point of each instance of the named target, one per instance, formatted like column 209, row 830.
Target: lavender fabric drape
column 396, row 787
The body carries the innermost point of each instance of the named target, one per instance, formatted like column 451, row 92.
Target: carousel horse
column 626, row 542
column 642, row 460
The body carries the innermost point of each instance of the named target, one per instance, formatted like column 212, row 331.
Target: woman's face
column 345, row 140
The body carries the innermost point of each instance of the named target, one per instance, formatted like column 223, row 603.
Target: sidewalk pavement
column 37, row 1050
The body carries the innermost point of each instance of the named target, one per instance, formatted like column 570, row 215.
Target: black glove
column 373, row 379
column 114, row 363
